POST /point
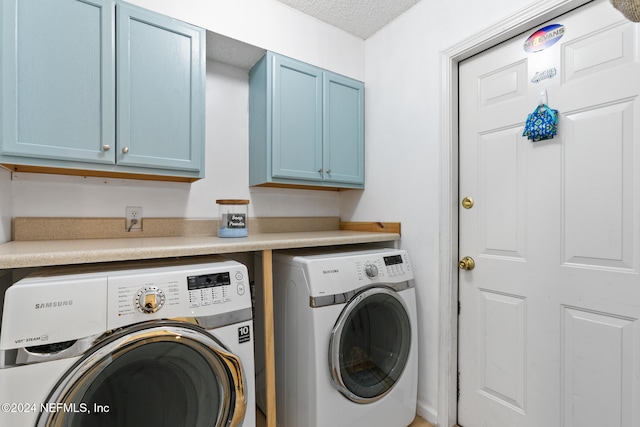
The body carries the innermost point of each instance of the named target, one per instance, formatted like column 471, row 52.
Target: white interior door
column 548, row 328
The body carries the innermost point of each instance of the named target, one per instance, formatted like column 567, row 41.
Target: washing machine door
column 370, row 344
column 155, row 374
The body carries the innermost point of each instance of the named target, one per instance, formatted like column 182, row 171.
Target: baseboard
column 428, row 413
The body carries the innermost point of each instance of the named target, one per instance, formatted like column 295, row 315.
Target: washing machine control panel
column 200, row 291
column 370, row 270
column 149, row 299
column 214, row 288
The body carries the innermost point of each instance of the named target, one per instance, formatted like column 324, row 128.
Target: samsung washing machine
column 147, row 344
column 345, row 338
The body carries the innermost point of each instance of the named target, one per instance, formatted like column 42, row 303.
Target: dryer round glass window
column 370, row 345
column 160, row 376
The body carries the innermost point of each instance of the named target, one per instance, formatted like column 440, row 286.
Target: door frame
column 517, row 23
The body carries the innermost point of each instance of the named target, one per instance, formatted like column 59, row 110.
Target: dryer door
column 154, row 374
column 370, row 344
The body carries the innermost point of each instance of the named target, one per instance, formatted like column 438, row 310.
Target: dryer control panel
column 390, row 267
column 333, row 273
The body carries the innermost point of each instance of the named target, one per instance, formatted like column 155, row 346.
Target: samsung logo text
column 54, row 304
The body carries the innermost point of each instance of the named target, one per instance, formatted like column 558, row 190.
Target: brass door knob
column 467, row 263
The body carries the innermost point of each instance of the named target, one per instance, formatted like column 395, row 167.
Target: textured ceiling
column 231, row 51
column 361, row 18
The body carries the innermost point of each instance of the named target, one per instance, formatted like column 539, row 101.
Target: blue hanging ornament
column 541, row 124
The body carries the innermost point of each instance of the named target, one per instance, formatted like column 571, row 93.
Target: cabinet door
column 343, row 133
column 160, row 91
column 296, row 120
column 57, row 80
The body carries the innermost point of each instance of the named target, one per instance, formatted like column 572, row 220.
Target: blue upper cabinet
column 58, row 85
column 297, row 120
column 160, row 104
column 343, row 129
column 57, row 81
column 306, row 126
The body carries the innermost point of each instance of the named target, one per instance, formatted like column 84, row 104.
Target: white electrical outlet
column 133, row 215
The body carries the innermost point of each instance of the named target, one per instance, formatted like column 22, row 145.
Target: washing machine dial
column 149, row 299
column 370, row 270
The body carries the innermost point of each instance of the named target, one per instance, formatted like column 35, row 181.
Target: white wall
column 402, row 147
column 271, row 25
column 6, row 205
column 226, row 174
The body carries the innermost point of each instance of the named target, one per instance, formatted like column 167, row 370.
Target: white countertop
column 19, row 254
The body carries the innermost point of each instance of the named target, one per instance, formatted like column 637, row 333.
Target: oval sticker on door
column 544, row 38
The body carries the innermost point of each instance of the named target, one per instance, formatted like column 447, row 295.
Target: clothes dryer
column 156, row 344
column 345, row 338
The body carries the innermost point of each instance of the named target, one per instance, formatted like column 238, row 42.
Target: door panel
column 160, row 66
column 608, row 372
column 57, row 80
column 343, row 129
column 601, row 50
column 598, row 171
column 297, row 120
column 548, row 328
column 502, row 195
column 503, row 84
column 502, row 351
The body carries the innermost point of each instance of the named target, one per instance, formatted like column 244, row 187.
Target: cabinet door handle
column 320, row 170
column 125, row 150
column 106, row 147
column 328, row 170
